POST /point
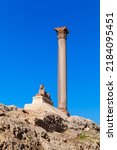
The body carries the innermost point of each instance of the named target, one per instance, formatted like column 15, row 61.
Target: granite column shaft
column 62, row 69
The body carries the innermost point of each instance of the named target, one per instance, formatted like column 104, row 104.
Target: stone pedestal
column 62, row 79
column 41, row 99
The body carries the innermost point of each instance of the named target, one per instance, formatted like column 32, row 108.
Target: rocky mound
column 35, row 130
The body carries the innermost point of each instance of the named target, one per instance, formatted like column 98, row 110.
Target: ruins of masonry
column 43, row 103
column 43, row 98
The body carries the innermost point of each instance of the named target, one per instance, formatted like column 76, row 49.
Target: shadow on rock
column 51, row 123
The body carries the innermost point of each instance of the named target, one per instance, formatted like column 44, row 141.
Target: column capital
column 62, row 32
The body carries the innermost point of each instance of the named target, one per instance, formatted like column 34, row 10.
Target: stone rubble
column 22, row 129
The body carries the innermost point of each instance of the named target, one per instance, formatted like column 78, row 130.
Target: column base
column 64, row 111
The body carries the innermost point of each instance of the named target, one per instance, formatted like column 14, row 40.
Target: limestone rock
column 51, row 123
column 22, row 129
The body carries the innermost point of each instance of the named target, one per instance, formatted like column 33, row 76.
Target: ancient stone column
column 62, row 79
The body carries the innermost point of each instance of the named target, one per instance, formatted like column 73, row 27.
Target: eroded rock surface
column 39, row 130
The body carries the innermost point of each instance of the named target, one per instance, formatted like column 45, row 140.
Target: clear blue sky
column 28, row 52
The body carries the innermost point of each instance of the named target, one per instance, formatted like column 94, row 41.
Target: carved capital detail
column 62, row 32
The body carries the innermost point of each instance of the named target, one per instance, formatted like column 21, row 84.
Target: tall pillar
column 62, row 79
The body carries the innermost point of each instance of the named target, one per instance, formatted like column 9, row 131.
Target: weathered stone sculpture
column 42, row 89
column 41, row 97
column 62, row 82
column 42, row 92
